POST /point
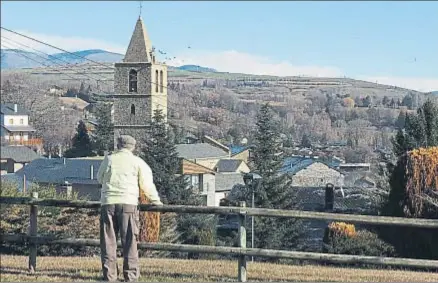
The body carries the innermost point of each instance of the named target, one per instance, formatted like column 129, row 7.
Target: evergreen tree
column 420, row 129
column 401, row 120
column 367, row 101
column 81, row 146
column 275, row 189
column 104, row 133
column 82, row 88
column 159, row 152
column 306, row 142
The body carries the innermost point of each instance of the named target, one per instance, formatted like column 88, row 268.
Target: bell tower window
column 161, row 81
column 156, row 80
column 133, row 81
column 132, row 109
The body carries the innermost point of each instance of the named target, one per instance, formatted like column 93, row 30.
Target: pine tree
column 275, row 190
column 159, row 152
column 420, row 129
column 81, row 146
column 104, row 133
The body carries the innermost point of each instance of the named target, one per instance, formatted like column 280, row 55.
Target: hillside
column 224, row 105
column 19, row 59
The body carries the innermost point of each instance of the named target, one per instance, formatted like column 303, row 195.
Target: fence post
column 329, row 197
column 33, row 230
column 242, row 244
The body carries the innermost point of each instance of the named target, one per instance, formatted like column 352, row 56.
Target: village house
column 311, row 172
column 79, row 176
column 72, row 175
column 15, row 128
column 13, row 158
column 204, row 154
column 56, row 90
column 231, row 166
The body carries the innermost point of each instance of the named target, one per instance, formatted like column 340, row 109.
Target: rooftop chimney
column 15, row 108
column 91, row 172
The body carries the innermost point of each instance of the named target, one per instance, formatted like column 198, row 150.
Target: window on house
column 11, row 121
column 156, row 81
column 21, row 121
column 132, row 109
column 133, row 81
column 161, row 81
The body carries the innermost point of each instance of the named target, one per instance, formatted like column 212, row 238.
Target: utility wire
column 49, row 57
column 82, row 57
column 63, row 73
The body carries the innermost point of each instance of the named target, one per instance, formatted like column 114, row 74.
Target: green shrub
column 52, row 221
column 362, row 243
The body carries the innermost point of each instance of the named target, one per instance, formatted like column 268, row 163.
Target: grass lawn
column 14, row 268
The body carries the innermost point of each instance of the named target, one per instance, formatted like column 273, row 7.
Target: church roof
column 139, row 49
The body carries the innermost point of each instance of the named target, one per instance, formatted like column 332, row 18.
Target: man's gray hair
column 126, row 142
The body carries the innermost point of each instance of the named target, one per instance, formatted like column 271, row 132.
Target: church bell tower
column 140, row 87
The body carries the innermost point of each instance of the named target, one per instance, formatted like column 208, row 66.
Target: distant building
column 311, row 172
column 204, row 154
column 56, row 90
column 13, row 158
column 231, row 166
column 15, row 128
column 79, row 175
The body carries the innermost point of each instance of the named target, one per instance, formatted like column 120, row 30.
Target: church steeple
column 140, row 47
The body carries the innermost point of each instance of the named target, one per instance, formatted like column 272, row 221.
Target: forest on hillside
column 312, row 112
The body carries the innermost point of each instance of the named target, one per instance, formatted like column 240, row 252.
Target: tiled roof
column 8, row 109
column 18, row 153
column 235, row 149
column 19, row 128
column 228, row 165
column 54, row 171
column 293, row 165
column 226, row 181
column 199, row 150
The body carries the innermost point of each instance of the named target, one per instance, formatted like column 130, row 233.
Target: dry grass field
column 14, row 268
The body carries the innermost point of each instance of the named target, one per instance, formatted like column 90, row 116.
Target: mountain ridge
column 20, row 59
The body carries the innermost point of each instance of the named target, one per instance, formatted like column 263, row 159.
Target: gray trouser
column 123, row 219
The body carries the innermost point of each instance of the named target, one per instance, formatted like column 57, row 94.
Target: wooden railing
column 242, row 251
column 29, row 142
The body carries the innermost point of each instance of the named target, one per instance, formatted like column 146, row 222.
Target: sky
column 392, row 43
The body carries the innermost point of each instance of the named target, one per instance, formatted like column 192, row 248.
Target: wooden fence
column 242, row 251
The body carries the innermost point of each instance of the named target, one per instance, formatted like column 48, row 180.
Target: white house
column 15, row 128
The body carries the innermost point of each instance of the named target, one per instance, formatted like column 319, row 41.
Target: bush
column 341, row 238
column 52, row 221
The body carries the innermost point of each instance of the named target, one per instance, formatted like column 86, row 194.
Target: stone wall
column 122, row 110
column 121, row 77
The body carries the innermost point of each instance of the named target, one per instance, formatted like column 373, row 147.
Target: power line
column 47, row 59
column 71, row 53
column 48, row 55
column 87, row 59
column 39, row 41
column 23, row 55
column 63, row 73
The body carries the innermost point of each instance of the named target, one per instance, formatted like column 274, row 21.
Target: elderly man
column 122, row 174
